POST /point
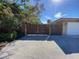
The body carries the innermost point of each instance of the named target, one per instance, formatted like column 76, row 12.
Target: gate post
column 25, row 29
column 49, row 26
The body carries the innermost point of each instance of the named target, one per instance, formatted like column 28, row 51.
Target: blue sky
column 63, row 8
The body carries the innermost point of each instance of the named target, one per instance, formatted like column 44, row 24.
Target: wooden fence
column 35, row 28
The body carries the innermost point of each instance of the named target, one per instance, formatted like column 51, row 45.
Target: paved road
column 36, row 50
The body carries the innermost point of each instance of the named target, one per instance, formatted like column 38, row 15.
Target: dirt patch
column 2, row 45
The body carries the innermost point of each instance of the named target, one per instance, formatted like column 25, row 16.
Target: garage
column 73, row 28
column 67, row 26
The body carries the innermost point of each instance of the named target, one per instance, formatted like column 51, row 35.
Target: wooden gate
column 35, row 28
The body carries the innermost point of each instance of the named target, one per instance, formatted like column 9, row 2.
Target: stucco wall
column 61, row 25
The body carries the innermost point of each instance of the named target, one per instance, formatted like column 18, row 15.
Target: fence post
column 37, row 28
column 49, row 24
column 25, row 28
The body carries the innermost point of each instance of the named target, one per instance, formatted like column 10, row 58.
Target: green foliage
column 8, row 36
column 12, row 15
column 1, row 1
column 10, row 23
column 1, row 6
column 14, row 10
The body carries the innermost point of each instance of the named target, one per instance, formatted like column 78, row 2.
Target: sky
column 55, row 9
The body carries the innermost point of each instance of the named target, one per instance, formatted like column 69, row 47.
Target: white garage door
column 73, row 28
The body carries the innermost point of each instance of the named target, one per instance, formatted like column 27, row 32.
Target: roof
column 67, row 20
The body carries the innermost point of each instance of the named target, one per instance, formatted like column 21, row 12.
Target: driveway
column 35, row 50
column 69, row 44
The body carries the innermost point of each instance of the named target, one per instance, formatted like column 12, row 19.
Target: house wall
column 61, row 25
column 57, row 29
column 64, row 28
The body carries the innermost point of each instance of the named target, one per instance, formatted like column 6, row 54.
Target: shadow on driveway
column 69, row 44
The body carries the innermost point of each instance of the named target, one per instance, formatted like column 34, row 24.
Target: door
column 73, row 28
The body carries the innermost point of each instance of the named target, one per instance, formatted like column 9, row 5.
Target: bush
column 8, row 36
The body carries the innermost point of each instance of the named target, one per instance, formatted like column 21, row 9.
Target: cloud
column 59, row 15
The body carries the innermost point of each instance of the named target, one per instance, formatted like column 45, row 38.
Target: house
column 66, row 26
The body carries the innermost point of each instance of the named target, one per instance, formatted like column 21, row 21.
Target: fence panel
column 36, row 28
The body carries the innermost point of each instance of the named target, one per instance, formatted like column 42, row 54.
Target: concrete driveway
column 35, row 50
column 69, row 44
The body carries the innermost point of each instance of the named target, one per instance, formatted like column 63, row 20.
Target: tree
column 13, row 14
column 33, row 12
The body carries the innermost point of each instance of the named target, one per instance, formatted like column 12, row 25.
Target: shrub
column 8, row 36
